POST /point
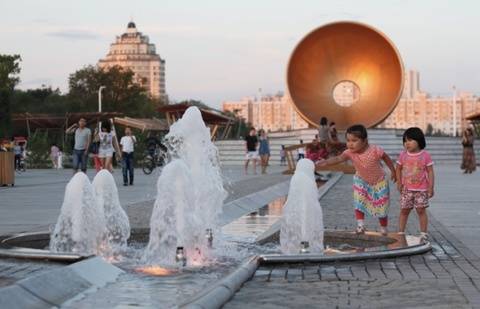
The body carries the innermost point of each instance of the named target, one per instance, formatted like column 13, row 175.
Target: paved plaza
column 447, row 277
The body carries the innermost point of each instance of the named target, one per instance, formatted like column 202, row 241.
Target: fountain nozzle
column 304, row 247
column 180, row 256
column 209, row 236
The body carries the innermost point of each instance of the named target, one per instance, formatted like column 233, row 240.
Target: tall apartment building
column 133, row 50
column 411, row 85
column 419, row 109
column 271, row 113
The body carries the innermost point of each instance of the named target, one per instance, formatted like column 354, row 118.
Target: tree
column 40, row 100
column 9, row 70
column 121, row 94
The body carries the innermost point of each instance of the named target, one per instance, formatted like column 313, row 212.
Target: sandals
column 424, row 236
column 383, row 231
column 360, row 230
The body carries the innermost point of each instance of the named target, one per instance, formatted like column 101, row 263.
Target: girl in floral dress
column 371, row 193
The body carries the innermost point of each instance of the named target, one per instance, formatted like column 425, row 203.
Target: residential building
column 133, row 50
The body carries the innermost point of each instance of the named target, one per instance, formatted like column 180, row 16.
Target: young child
column 415, row 179
column 301, row 152
column 371, row 193
column 283, row 157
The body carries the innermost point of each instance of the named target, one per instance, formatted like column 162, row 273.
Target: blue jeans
column 80, row 160
column 127, row 167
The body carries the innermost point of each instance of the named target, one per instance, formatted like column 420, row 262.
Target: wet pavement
column 447, row 277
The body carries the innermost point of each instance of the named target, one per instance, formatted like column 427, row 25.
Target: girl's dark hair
column 332, row 123
column 415, row 134
column 323, row 121
column 106, row 125
column 358, row 130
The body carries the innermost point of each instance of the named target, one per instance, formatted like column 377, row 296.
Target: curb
column 313, row 258
column 246, row 204
column 217, row 295
column 55, row 288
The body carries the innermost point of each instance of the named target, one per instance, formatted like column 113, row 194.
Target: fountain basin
column 340, row 245
column 348, row 246
column 34, row 246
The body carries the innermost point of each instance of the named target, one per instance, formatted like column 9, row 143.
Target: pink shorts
column 413, row 199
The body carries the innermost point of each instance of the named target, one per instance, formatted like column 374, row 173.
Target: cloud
column 74, row 34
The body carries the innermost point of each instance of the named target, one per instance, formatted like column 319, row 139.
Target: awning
column 144, row 124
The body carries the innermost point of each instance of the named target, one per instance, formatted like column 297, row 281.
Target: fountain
column 80, row 227
column 116, row 220
column 190, row 195
column 302, row 222
column 173, row 218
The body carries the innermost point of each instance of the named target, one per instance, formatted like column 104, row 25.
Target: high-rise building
column 419, row 109
column 271, row 113
column 133, row 50
column 411, row 84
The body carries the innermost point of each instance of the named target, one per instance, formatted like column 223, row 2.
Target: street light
column 454, row 104
column 100, row 98
column 100, row 105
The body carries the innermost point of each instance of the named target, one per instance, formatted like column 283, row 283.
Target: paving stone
column 443, row 278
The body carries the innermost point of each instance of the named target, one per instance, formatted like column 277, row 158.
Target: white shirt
column 127, row 143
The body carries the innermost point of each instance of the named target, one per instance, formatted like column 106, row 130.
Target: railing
column 292, row 162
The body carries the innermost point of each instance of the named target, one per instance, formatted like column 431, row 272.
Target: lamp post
column 100, row 105
column 454, row 103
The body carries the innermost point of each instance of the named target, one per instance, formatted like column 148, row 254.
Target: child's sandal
column 424, row 236
column 360, row 230
column 383, row 231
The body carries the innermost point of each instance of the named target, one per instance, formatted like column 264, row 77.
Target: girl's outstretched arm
column 390, row 165
column 431, row 180
column 331, row 161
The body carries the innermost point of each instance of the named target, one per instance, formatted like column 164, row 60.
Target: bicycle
column 154, row 158
column 21, row 165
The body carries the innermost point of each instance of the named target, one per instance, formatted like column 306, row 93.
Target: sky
column 217, row 50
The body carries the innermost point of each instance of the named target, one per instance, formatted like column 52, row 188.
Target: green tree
column 9, row 70
column 121, row 94
column 40, row 100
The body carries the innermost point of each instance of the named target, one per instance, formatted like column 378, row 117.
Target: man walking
column 251, row 142
column 83, row 137
column 127, row 144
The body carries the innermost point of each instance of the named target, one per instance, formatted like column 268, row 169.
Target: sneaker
column 383, row 231
column 360, row 230
column 125, row 184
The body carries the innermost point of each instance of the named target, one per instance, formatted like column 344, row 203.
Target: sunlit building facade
column 133, row 50
column 271, row 113
column 419, row 109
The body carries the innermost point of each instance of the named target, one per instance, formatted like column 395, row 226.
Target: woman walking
column 108, row 145
column 264, row 151
column 469, row 163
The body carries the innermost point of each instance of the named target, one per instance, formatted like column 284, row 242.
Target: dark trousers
column 127, row 167
column 18, row 159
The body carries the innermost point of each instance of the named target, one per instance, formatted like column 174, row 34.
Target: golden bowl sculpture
column 349, row 54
